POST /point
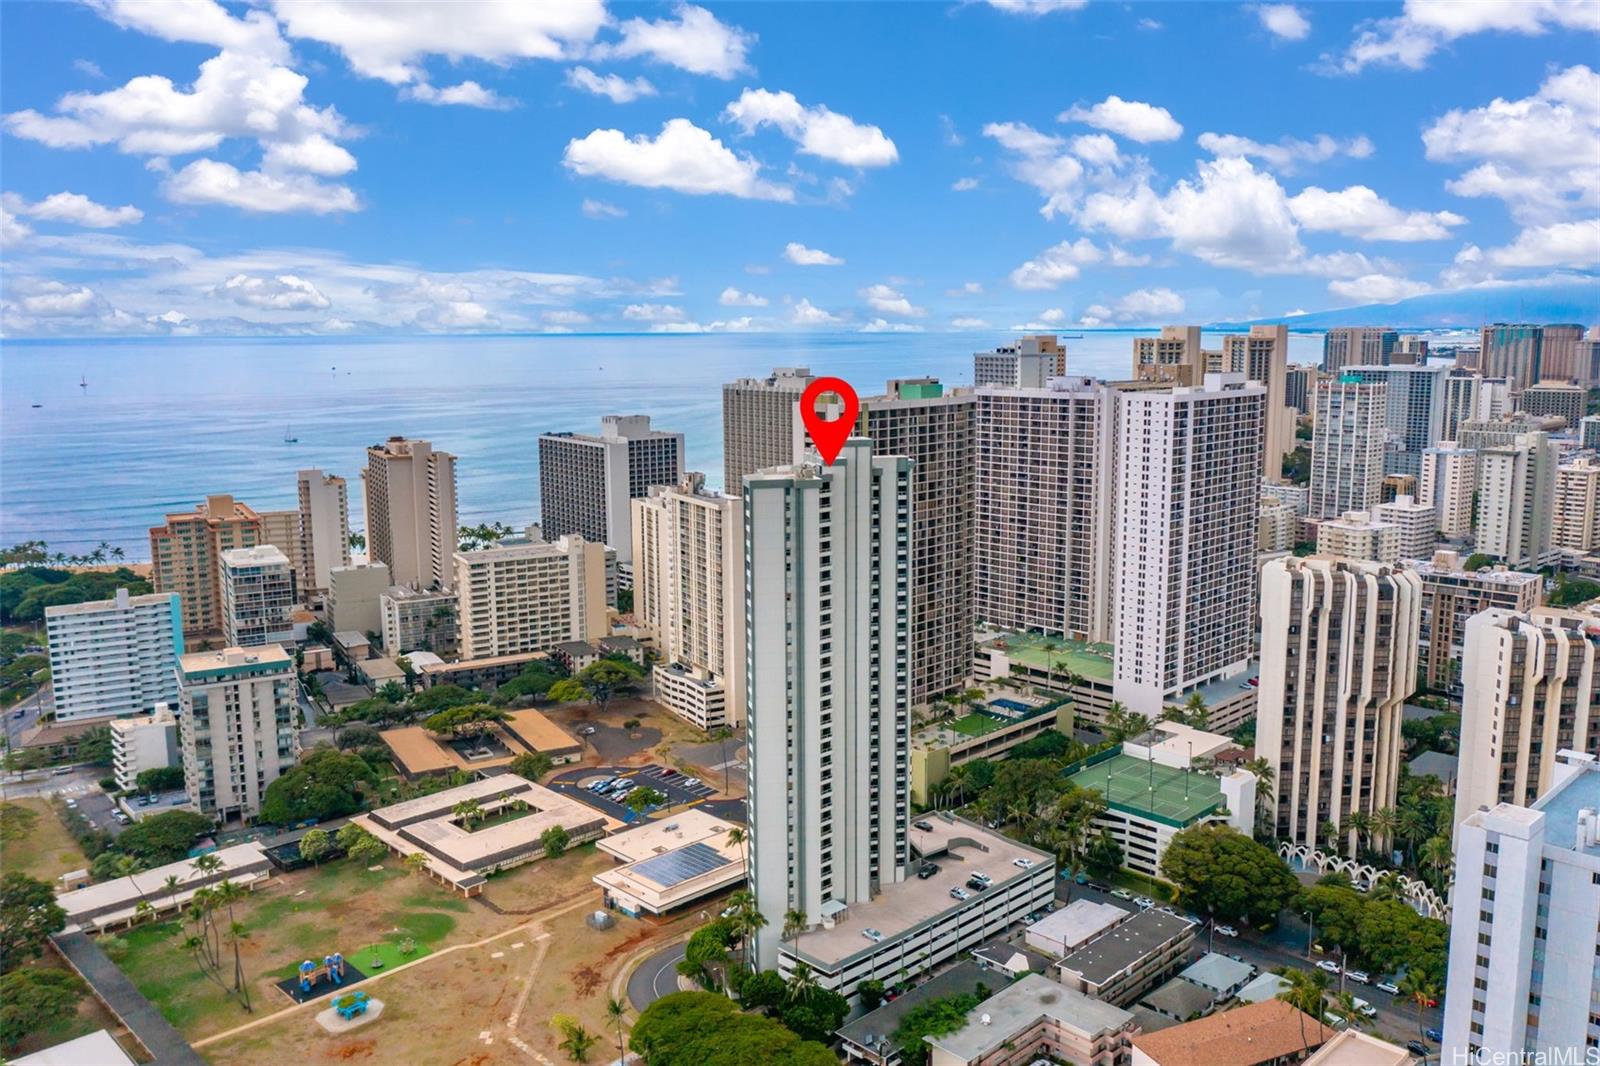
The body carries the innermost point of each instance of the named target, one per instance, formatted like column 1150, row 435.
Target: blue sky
column 336, row 168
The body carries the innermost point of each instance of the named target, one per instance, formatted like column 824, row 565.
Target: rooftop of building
column 1215, row 970
column 406, row 592
column 439, row 666
column 1453, row 564
column 960, row 848
column 1175, row 740
column 1145, row 788
column 1078, row 922
column 1577, row 791
column 269, row 657
column 1224, row 690
column 1001, row 709
column 64, row 610
column 1023, row 1004
column 114, row 900
column 256, row 555
column 421, row 751
column 1436, row 764
column 1038, row 652
column 1244, row 1036
column 1179, row 999
column 1263, row 987
column 667, row 834
column 1352, row 1047
column 98, row 1048
column 1119, row 947
column 1014, row 958
column 880, row 1024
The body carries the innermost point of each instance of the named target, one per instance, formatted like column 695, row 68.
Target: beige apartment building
column 1262, row 355
column 417, row 620
column 1531, row 688
column 1416, row 522
column 324, row 530
column 1553, row 399
column 1516, row 501
column 186, row 557
column 1347, row 446
column 1030, row 363
column 1359, row 535
column 518, row 598
column 1357, row 346
column 1339, row 656
column 758, row 423
column 236, row 727
column 1448, row 483
column 1043, row 504
column 1451, row 594
column 688, row 590
column 1173, row 358
column 411, row 511
column 1577, row 509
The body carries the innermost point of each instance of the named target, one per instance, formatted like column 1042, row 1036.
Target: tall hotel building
column 236, row 725
column 116, row 657
column 324, row 529
column 1531, row 687
column 935, row 429
column 688, row 590
column 1577, row 506
column 1414, row 414
column 1339, row 656
column 186, row 557
column 1262, row 355
column 518, row 596
column 1028, row 364
column 1525, row 907
column 1449, row 483
column 1188, row 475
column 257, row 597
column 1357, row 346
column 1451, row 595
column 1299, row 389
column 1173, row 358
column 1347, row 446
column 1044, row 508
column 587, row 482
column 758, row 423
column 827, row 603
column 1516, row 501
column 411, row 511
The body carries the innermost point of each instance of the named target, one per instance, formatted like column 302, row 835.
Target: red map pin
column 828, row 436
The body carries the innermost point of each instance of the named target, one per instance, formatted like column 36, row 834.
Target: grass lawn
column 339, row 906
column 1140, row 884
column 34, row 842
column 975, row 724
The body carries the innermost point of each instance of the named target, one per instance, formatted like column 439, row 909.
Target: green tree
column 34, row 1000
column 708, row 946
column 326, row 783
column 532, row 765
column 440, row 698
column 1419, row 989
column 1121, row 723
column 761, row 991
column 1104, row 854
column 815, row 1014
column 465, row 720
column 599, row 683
column 159, row 779
column 640, row 798
column 706, row 1029
column 554, row 841
column 165, row 837
column 937, row 1017
column 94, row 746
column 1307, row 993
column 615, row 1011
column 29, row 914
column 1227, row 874
column 415, row 862
column 315, row 845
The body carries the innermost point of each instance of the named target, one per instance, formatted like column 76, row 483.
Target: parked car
column 1144, row 902
column 1358, row 976
column 1097, row 886
column 1433, row 1034
column 872, row 934
column 1227, row 930
column 1329, row 965
column 1389, row 987
column 1169, row 910
column 72, row 803
column 689, row 782
column 586, row 731
column 666, row 771
column 960, row 893
column 927, row 870
column 924, row 825
column 1365, row 1009
column 1024, row 864
column 1417, row 1047
column 1121, row 893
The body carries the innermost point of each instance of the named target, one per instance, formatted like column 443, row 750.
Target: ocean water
column 162, row 424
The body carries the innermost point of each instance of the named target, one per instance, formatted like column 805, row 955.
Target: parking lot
column 678, row 789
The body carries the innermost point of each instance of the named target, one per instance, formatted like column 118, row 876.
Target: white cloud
column 12, row 232
column 54, row 299
column 1121, row 257
column 601, row 209
column 1052, row 316
column 807, row 314
column 964, row 184
column 969, row 323
column 732, row 297
column 565, row 318
column 1561, row 244
column 283, row 292
column 1357, row 211
column 1041, row 160
column 1140, row 307
column 614, row 87
column 1133, row 119
column 391, row 41
column 88, row 67
column 1539, row 154
column 883, row 325
column 695, row 41
column 1096, row 148
column 75, row 209
column 653, row 313
column 800, row 255
column 206, row 181
column 198, row 22
column 316, row 154
column 968, row 288
column 1285, row 21
column 467, row 94
column 1037, row 7
column 1289, row 152
column 1150, row 24
column 1377, row 288
column 890, row 301
column 683, row 157
column 817, row 130
column 1058, row 263
column 1425, row 26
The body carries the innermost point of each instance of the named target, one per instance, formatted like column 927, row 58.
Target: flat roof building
column 1451, row 594
column 411, row 511
column 1120, row 964
column 527, row 597
column 1035, row 1019
column 116, row 657
column 1027, row 364
column 419, row 752
column 758, row 423
column 670, row 863
column 257, row 597
column 1066, row 930
column 186, row 557
column 238, row 726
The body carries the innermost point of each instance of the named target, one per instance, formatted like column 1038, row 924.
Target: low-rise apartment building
column 1119, row 965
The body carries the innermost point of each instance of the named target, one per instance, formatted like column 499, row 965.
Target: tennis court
column 1127, row 782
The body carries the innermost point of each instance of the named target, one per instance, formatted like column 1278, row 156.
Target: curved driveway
column 656, row 976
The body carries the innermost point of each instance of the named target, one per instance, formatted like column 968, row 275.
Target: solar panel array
column 676, row 867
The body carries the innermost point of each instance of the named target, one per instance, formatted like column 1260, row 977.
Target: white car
column 1121, row 893
column 1026, row 864
column 960, row 893
column 1144, row 902
column 1389, row 987
column 1358, row 976
column 872, row 935
column 1329, row 965
column 1365, row 1009
column 1227, row 930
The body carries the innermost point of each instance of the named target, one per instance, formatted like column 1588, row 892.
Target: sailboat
column 83, row 381
column 288, row 436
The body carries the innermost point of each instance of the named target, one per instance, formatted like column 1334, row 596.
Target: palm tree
column 1196, row 713
column 1360, row 823
column 142, row 910
column 1306, row 993
column 1437, row 857
column 228, row 894
column 1384, row 823
column 1421, row 991
column 802, row 984
column 470, row 811
column 614, row 1011
column 415, row 862
column 1412, row 825
column 577, row 1043
column 1344, row 1007
column 1328, row 834
column 794, row 923
column 746, row 918
column 737, row 837
column 171, row 885
column 957, row 779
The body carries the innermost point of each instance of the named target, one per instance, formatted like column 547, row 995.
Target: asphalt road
column 30, row 708
column 1286, row 946
column 80, row 780
column 655, row 977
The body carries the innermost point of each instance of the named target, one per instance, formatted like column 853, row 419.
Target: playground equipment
column 332, row 968
column 349, row 1006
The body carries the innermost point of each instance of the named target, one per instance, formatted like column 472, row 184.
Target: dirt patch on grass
column 34, row 842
